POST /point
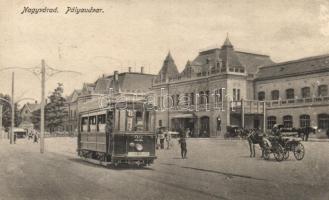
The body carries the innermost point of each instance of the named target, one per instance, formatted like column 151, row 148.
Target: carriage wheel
column 279, row 153
column 299, row 151
column 266, row 154
column 286, row 154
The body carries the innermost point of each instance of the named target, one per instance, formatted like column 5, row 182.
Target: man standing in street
column 15, row 136
column 183, row 146
column 162, row 138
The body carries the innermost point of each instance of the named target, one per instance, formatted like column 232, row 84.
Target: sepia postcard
column 164, row 100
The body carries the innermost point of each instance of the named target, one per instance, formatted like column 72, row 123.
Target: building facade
column 26, row 113
column 223, row 87
column 296, row 92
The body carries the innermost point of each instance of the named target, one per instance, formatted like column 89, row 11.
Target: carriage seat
column 290, row 139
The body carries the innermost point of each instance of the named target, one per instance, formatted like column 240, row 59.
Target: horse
column 305, row 131
column 254, row 138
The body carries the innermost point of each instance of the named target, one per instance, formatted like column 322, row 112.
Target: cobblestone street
column 215, row 169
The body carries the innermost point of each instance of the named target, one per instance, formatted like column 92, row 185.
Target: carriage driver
column 276, row 131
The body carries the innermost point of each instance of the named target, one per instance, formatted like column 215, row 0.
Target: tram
column 118, row 134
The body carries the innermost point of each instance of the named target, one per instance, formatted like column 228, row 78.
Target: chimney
column 142, row 70
column 129, row 69
column 116, row 75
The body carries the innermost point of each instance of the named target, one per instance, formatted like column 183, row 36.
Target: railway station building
column 223, row 87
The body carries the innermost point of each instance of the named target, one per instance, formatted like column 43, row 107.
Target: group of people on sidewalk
column 165, row 136
column 33, row 135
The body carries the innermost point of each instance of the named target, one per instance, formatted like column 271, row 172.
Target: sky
column 139, row 33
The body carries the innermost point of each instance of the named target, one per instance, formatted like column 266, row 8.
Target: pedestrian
column 35, row 137
column 162, row 138
column 188, row 132
column 15, row 136
column 307, row 131
column 168, row 139
column 183, row 146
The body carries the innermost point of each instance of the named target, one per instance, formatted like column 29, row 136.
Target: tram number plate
column 138, row 153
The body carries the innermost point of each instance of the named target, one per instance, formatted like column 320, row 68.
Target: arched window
column 271, row 120
column 306, row 92
column 202, row 98
column 287, row 121
column 323, row 121
column 218, row 95
column 323, row 90
column 290, row 93
column 305, row 121
column 275, row 94
column 261, row 96
column 192, row 98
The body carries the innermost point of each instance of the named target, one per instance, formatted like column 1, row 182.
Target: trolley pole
column 42, row 123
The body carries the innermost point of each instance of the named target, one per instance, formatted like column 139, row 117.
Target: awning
column 183, row 116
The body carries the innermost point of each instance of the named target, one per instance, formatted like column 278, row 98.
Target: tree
column 55, row 109
column 6, row 112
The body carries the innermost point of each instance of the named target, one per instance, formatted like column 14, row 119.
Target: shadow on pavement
column 119, row 167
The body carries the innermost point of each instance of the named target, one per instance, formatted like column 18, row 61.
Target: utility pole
column 42, row 123
column 12, row 108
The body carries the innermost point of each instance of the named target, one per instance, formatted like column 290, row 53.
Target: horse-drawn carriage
column 281, row 146
column 277, row 144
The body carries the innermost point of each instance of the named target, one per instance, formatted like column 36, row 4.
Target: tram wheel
column 299, row 151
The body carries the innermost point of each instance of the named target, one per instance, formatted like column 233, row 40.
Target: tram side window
column 84, row 124
column 147, row 121
column 101, row 122
column 130, row 116
column 122, row 120
column 92, row 123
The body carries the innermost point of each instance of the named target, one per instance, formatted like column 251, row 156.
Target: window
column 187, row 99
column 287, row 121
column 290, row 93
column 238, row 94
column 218, row 95
column 306, row 92
column 275, row 94
column 101, row 119
column 201, row 97
column 234, row 94
column 192, row 98
column 323, row 90
column 323, row 121
column 261, row 96
column 207, row 96
column 271, row 120
column 173, row 100
column 159, row 101
column 160, row 123
column 305, row 121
